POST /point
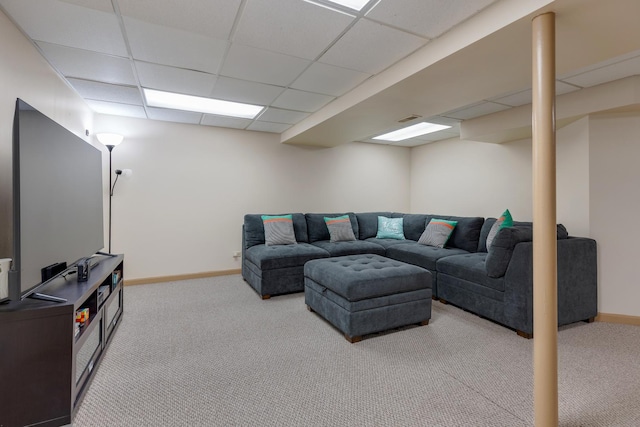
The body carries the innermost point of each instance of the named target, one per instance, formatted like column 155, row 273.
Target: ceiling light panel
column 176, row 101
column 412, row 131
column 266, row 24
column 351, row 4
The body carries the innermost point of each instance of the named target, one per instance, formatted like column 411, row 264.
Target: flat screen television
column 57, row 199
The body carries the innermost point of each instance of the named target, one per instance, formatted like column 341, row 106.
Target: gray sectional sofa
column 496, row 284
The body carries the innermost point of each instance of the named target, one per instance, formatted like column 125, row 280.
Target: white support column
column 545, row 305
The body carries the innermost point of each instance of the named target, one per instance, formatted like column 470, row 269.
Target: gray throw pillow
column 278, row 230
column 504, row 221
column 340, row 228
column 437, row 232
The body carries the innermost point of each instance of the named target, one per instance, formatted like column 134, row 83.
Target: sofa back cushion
column 254, row 229
column 488, row 223
column 466, row 234
column 502, row 248
column 368, row 223
column 414, row 225
column 317, row 229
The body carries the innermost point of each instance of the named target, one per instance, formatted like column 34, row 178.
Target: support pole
column 545, row 268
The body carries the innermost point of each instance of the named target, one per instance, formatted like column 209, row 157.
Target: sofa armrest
column 577, row 283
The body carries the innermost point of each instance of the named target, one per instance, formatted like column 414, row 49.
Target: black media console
column 46, row 363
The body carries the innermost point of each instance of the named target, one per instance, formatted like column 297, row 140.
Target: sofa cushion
column 368, row 223
column 505, row 220
column 385, row 243
column 502, row 247
column 283, row 256
column 254, row 229
column 317, row 228
column 437, row 232
column 353, row 247
column 340, row 228
column 390, row 228
column 414, row 225
column 488, row 223
column 420, row 255
column 278, row 230
column 470, row 267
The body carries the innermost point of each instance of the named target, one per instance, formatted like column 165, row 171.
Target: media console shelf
column 46, row 363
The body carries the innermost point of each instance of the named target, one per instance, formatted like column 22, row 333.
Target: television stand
column 47, row 363
column 45, row 297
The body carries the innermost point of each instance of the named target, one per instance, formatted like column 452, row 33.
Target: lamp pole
column 110, row 148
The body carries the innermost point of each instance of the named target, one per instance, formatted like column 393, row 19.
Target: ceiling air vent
column 408, row 119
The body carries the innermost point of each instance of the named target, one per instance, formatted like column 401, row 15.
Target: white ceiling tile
column 168, row 46
column 107, row 92
column 269, row 127
column 174, row 115
column 370, row 47
column 212, row 18
column 88, row 65
column 292, row 27
column 428, row 18
column 245, row 91
column 436, row 136
column 476, row 110
column 293, row 99
column 329, row 79
column 68, row 25
column 227, row 122
column 115, row 109
column 247, row 63
column 282, row 116
column 619, row 70
column 172, row 79
column 103, row 5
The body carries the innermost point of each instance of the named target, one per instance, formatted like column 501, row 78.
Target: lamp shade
column 110, row 139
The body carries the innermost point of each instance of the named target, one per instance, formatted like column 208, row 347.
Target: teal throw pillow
column 340, row 229
column 278, row 230
column 437, row 232
column 390, row 228
column 504, row 221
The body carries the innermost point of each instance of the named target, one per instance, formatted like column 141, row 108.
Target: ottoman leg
column 310, row 309
column 424, row 322
column 353, row 339
column 265, row 296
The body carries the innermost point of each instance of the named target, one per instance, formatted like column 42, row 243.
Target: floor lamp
column 110, row 140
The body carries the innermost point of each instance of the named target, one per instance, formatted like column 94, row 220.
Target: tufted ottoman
column 364, row 294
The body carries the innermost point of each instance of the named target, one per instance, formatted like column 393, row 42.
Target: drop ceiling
column 325, row 75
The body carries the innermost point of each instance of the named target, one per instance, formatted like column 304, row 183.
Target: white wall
column 615, row 208
column 458, row 177
column 182, row 209
column 25, row 74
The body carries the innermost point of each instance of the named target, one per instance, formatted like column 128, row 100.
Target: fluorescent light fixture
column 177, row 101
column 412, row 131
column 351, row 4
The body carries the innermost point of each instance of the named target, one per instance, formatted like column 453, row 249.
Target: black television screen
column 57, row 197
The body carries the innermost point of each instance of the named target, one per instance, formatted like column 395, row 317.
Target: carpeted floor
column 210, row 352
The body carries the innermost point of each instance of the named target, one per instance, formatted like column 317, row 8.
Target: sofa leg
column 443, row 301
column 353, row 339
column 590, row 320
column 424, row 322
column 524, row 335
column 310, row 309
column 266, row 296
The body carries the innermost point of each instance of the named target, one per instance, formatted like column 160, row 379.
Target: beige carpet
column 210, row 352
